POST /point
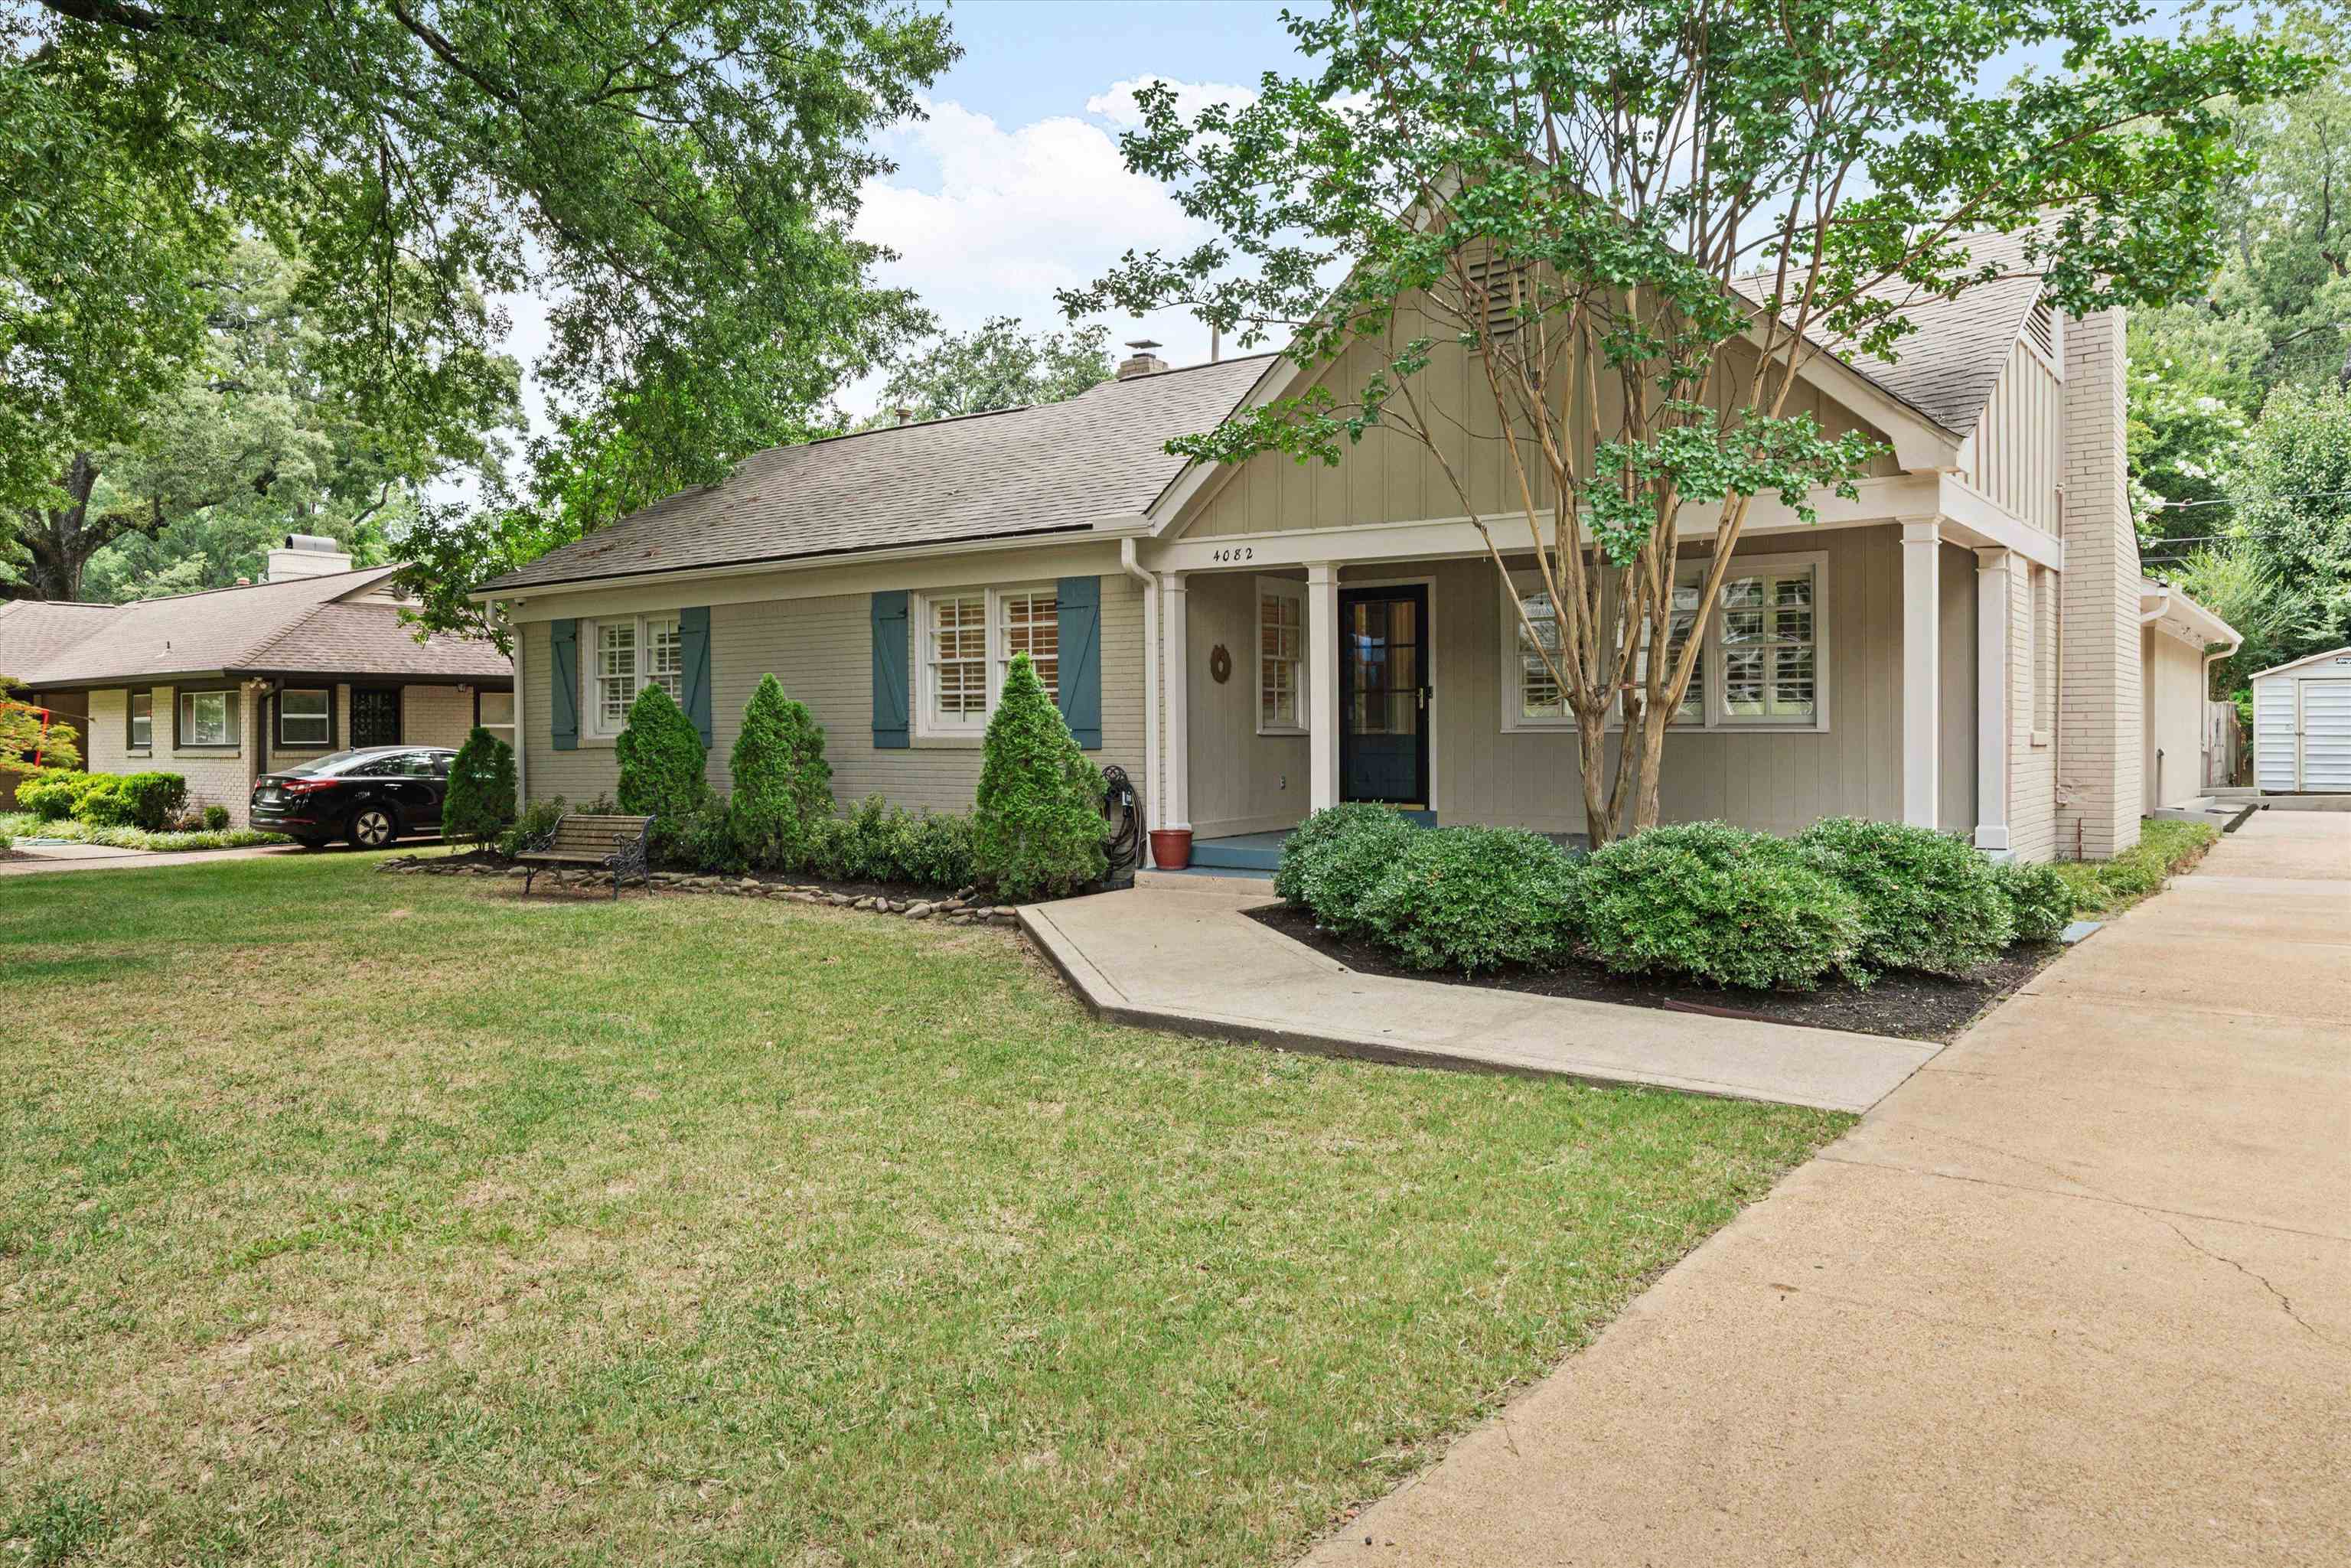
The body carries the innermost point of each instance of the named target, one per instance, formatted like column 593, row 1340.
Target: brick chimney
column 1143, row 362
column 307, row 555
column 2101, row 718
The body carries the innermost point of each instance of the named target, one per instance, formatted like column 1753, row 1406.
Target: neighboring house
column 1967, row 645
column 225, row 685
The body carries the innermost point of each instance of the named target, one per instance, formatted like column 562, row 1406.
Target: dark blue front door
column 1383, row 695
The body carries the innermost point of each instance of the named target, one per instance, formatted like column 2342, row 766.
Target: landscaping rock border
column 961, row 908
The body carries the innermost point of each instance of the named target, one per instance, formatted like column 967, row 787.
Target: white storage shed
column 2302, row 726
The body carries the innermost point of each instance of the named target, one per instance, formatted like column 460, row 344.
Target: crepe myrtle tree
column 1639, row 220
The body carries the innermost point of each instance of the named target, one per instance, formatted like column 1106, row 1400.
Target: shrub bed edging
column 960, row 908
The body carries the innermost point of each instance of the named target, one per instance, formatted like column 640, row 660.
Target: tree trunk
column 1652, row 740
column 59, row 540
column 1592, row 748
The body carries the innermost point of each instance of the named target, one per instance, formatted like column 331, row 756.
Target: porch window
column 1280, row 657
column 967, row 641
column 631, row 653
column 1766, row 627
column 305, row 719
column 1759, row 655
column 140, row 733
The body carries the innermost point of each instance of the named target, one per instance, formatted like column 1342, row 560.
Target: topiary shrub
column 216, row 819
column 1331, row 862
column 782, row 782
column 1474, row 899
column 661, row 759
column 1720, row 905
column 2040, row 903
column 481, row 799
column 1037, row 827
column 1929, row 901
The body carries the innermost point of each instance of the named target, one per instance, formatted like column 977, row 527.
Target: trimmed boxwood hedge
column 1475, row 899
column 1331, row 862
column 1711, row 902
column 1929, row 903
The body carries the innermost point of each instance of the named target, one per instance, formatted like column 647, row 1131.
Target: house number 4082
column 1242, row 553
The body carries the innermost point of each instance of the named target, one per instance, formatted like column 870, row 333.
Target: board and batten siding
column 822, row 649
column 1389, row 477
column 2016, row 454
column 1778, row 781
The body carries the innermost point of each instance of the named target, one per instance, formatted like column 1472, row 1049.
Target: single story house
column 1968, row 644
column 225, row 685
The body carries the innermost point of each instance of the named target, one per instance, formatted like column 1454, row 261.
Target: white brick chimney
column 307, row 555
column 2101, row 718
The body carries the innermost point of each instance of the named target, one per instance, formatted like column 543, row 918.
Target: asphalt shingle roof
column 1051, row 468
column 297, row 624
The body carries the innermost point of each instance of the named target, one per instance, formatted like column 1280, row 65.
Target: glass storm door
column 1383, row 695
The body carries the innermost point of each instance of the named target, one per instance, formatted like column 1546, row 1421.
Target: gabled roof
column 1947, row 369
column 2331, row 654
column 298, row 624
column 1059, row 468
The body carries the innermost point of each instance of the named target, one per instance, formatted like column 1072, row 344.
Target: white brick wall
column 2100, row 716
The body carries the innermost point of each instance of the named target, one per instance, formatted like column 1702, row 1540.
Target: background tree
column 29, row 742
column 1575, row 193
column 257, row 437
column 678, row 177
column 998, row 366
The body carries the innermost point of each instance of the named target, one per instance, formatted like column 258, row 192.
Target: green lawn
column 352, row 1218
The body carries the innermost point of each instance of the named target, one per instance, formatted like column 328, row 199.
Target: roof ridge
column 244, row 587
column 1015, row 407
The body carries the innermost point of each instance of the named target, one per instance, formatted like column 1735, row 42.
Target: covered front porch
column 1875, row 664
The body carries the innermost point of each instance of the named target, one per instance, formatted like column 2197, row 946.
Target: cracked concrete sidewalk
column 2079, row 1291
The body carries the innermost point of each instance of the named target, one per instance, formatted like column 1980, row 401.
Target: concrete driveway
column 2078, row 1292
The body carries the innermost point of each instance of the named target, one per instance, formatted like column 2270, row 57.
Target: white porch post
column 1322, row 683
column 1922, row 718
column 1175, row 625
column 1994, row 612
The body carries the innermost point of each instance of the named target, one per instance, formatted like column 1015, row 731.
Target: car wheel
column 372, row 828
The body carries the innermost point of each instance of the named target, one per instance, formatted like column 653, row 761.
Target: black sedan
column 371, row 796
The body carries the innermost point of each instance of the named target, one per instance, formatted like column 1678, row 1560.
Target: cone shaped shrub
column 481, row 799
column 1037, row 827
column 782, row 782
column 661, row 759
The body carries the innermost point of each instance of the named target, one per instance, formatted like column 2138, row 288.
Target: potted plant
column 1171, row 848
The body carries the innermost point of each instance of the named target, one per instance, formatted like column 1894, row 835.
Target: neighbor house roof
column 302, row 624
column 1945, row 369
column 1057, row 467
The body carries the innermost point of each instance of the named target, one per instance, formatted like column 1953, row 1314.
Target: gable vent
column 2041, row 329
column 1503, row 287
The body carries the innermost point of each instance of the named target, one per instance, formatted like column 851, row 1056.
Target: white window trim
column 927, row 728
column 1294, row 591
column 591, row 707
column 1718, row 716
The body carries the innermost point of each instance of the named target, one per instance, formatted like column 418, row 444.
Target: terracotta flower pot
column 1171, row 848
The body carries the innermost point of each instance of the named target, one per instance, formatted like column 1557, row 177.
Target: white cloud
column 1118, row 106
column 1017, row 213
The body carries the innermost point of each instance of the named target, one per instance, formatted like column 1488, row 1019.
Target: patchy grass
column 351, row 1218
column 2165, row 849
column 23, row 825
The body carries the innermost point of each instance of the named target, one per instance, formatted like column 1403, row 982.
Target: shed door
column 2274, row 742
column 2326, row 735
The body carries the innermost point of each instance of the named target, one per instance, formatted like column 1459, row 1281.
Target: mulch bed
column 1909, row 1007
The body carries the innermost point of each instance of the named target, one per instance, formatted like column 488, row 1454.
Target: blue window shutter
column 694, row 660
column 891, row 702
column 563, row 673
column 1081, row 645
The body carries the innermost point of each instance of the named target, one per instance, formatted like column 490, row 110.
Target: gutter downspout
column 2203, row 719
column 1132, row 564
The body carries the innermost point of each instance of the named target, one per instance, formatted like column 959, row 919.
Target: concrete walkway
column 1188, row 959
column 2079, row 1293
column 30, row 858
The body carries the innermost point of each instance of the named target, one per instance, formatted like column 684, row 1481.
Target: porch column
column 1175, row 670
column 1322, row 683
column 1922, row 608
column 1994, row 612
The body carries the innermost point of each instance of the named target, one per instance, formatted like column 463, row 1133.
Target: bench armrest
column 540, row 843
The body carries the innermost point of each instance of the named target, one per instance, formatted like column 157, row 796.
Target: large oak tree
column 1640, row 219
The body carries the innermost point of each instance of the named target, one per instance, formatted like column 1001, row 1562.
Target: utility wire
column 2239, row 501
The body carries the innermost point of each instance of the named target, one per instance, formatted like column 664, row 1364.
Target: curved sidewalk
column 2078, row 1292
column 1190, row 959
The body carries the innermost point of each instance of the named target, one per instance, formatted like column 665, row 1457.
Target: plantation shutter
column 563, row 636
column 1080, row 648
column 891, row 702
column 693, row 665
